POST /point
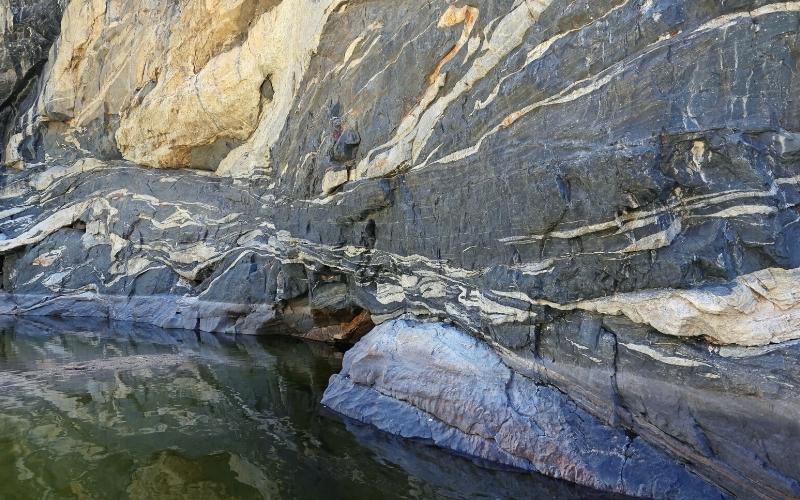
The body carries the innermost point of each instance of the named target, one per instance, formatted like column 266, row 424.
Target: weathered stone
column 346, row 147
column 334, row 178
column 610, row 210
column 433, row 382
column 27, row 30
column 345, row 333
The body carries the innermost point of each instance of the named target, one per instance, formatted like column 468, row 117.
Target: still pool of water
column 92, row 410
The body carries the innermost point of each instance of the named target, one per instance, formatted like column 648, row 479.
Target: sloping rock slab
column 433, row 382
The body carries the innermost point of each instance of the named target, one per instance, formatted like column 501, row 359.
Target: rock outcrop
column 27, row 29
column 602, row 194
column 432, row 382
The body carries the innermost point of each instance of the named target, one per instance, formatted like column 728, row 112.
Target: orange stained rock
column 454, row 16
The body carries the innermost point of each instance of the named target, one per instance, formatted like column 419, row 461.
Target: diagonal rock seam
column 609, row 212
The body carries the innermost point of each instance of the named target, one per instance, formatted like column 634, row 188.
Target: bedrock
column 588, row 400
column 604, row 193
column 181, row 249
column 433, row 382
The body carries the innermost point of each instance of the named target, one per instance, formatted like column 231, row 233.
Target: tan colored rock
column 349, row 332
column 106, row 52
column 12, row 157
column 756, row 309
column 6, row 17
column 333, row 179
column 184, row 78
column 284, row 43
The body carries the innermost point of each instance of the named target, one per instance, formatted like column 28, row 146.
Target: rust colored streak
column 452, row 17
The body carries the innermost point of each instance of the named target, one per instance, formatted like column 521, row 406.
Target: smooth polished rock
column 433, row 382
column 603, row 192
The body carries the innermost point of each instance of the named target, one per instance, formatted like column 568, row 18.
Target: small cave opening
column 267, row 89
column 325, row 311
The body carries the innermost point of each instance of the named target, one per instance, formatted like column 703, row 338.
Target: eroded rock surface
column 603, row 193
column 27, row 30
column 433, row 382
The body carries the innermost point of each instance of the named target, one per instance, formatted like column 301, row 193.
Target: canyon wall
column 588, row 207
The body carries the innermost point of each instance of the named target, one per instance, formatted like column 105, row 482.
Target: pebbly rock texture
column 603, row 194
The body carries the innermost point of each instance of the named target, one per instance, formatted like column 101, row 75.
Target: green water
column 92, row 410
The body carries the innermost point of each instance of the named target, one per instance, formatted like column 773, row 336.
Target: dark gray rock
column 346, row 147
column 25, row 40
column 619, row 147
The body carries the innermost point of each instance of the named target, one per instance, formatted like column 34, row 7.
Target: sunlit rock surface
column 602, row 192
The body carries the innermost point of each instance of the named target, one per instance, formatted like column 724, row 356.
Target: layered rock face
column 27, row 29
column 600, row 198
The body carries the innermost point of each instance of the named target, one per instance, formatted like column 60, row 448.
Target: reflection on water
column 92, row 410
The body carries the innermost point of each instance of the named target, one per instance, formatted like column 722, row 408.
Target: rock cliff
column 574, row 221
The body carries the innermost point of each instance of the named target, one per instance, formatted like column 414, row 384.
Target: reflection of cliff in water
column 117, row 410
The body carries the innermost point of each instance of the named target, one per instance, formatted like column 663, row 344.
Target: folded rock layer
column 602, row 195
